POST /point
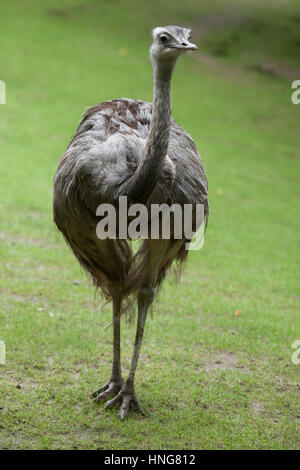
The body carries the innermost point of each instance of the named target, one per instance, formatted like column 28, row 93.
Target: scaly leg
column 127, row 396
column 116, row 381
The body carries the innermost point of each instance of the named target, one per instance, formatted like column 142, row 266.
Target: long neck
column 159, row 132
column 156, row 147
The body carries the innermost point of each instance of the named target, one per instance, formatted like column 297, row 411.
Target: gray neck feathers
column 159, row 132
column 156, row 147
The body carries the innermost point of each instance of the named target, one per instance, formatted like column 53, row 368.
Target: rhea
column 129, row 148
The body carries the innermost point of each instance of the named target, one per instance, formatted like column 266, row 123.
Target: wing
column 190, row 185
column 105, row 152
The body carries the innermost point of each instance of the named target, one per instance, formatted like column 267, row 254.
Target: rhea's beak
column 188, row 46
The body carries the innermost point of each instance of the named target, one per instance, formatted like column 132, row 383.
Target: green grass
column 207, row 377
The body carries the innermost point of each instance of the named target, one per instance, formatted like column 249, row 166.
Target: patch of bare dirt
column 229, row 71
column 277, row 69
column 34, row 214
column 29, row 241
column 257, row 407
column 12, row 441
column 207, row 23
column 83, row 434
column 20, row 298
column 26, row 383
column 17, row 298
column 223, row 361
column 237, row 73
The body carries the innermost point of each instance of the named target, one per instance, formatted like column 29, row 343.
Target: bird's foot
column 112, row 387
column 127, row 399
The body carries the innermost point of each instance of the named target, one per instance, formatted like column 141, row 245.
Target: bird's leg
column 127, row 396
column 116, row 381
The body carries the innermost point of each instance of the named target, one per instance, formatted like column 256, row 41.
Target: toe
column 113, row 402
column 109, row 390
column 125, row 398
column 124, row 407
column 104, row 395
column 101, row 389
column 137, row 406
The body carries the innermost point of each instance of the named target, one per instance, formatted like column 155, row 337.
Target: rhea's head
column 169, row 42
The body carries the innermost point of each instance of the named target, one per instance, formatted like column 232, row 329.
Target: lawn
column 215, row 369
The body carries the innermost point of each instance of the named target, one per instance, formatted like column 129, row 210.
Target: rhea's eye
column 163, row 38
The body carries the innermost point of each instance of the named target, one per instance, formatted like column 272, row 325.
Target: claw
column 108, row 390
column 113, row 402
column 125, row 397
column 137, row 406
column 124, row 407
column 127, row 401
column 101, row 389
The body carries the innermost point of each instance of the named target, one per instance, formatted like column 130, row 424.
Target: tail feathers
column 131, row 271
